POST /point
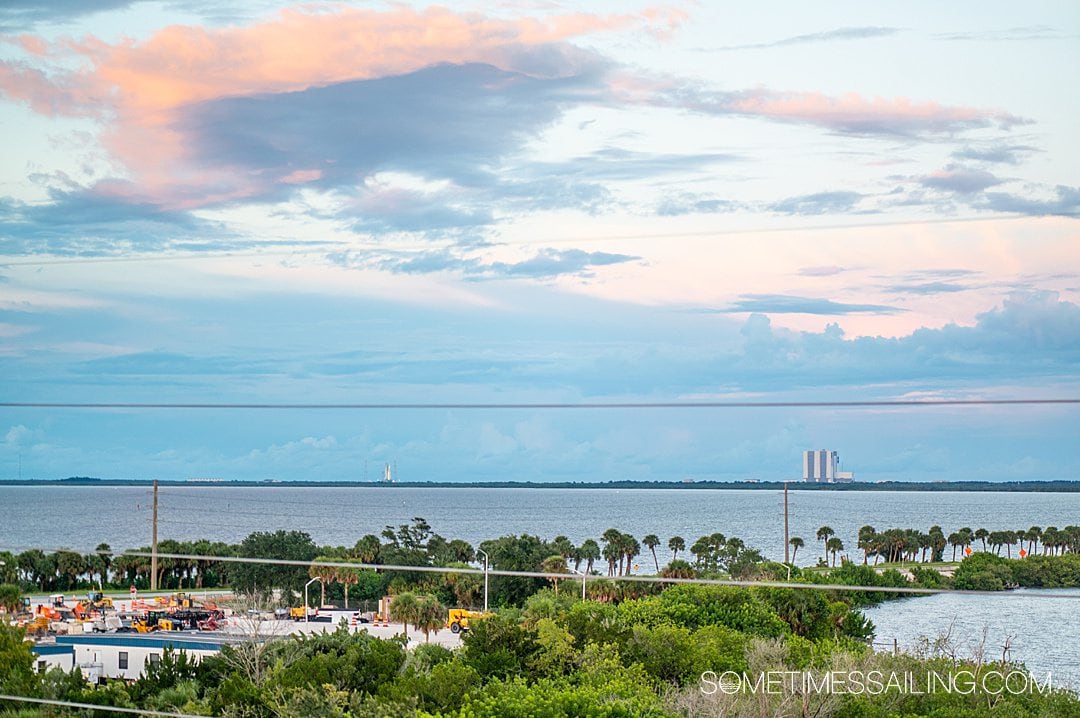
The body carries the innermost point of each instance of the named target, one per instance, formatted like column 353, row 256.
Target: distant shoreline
column 985, row 486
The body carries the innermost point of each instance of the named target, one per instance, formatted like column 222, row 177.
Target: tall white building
column 822, row 466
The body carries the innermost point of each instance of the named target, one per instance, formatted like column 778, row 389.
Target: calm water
column 81, row 517
column 1044, row 633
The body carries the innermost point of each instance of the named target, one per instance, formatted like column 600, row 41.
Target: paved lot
column 283, row 628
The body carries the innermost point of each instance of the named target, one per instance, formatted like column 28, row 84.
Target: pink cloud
column 854, row 113
column 137, row 87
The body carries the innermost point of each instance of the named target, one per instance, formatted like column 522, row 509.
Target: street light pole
column 481, row 551
column 306, row 620
column 582, row 574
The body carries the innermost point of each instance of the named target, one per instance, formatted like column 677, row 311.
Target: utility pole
column 153, row 545
column 787, row 546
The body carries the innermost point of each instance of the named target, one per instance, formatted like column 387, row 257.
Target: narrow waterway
column 1042, row 633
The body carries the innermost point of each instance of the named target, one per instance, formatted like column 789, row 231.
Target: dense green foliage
column 555, row 657
column 632, row 649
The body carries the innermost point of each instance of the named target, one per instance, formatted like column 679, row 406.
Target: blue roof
column 141, row 640
column 51, row 649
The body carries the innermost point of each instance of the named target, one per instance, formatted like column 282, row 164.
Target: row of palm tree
column 68, row 570
column 895, row 545
column 711, row 552
column 423, row 612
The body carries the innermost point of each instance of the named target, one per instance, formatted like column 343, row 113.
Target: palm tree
column 612, row 539
column 347, row 577
column 404, row 608
column 867, row 534
column 631, row 549
column 954, row 540
column 700, row 549
column 590, row 552
column 678, row 569
column 466, row 586
column 981, row 534
column 430, row 616
column 796, row 543
column 367, row 549
column 563, row 546
column 823, row 535
column 926, row 542
column 937, row 543
column 612, row 554
column 651, row 541
column 834, row 545
column 554, row 564
column 676, row 544
column 1034, row 534
column 103, row 552
column 325, row 574
column 965, row 539
column 1050, row 540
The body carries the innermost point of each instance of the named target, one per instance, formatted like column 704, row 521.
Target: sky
column 539, row 202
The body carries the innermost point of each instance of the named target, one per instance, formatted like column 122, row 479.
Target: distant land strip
column 1057, row 486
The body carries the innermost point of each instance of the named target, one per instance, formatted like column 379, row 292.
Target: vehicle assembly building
column 823, row 466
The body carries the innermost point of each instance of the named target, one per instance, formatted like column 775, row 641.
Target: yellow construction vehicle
column 98, row 601
column 181, row 600
column 38, row 626
column 155, row 621
column 457, row 619
column 95, row 605
column 303, row 613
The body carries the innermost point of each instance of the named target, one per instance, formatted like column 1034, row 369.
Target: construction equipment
column 39, row 626
column 180, row 600
column 311, row 615
column 98, row 601
column 156, row 621
column 25, row 613
column 96, row 604
column 55, row 610
column 457, row 619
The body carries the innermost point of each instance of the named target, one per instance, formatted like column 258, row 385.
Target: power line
column 95, row 707
column 896, row 403
column 523, row 242
column 909, row 590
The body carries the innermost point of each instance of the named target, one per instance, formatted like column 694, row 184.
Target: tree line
column 897, row 545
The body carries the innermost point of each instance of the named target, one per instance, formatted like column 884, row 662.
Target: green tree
column 676, row 544
column 796, row 544
column 515, row 553
column 554, row 564
column 866, row 541
column 430, row 616
column 70, row 565
column 651, row 541
column 17, row 676
column 590, row 553
column 10, row 597
column 823, row 535
column 678, row 569
column 404, row 609
column 265, row 578
column 835, row 546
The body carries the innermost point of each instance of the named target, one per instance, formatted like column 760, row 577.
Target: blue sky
column 536, row 202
